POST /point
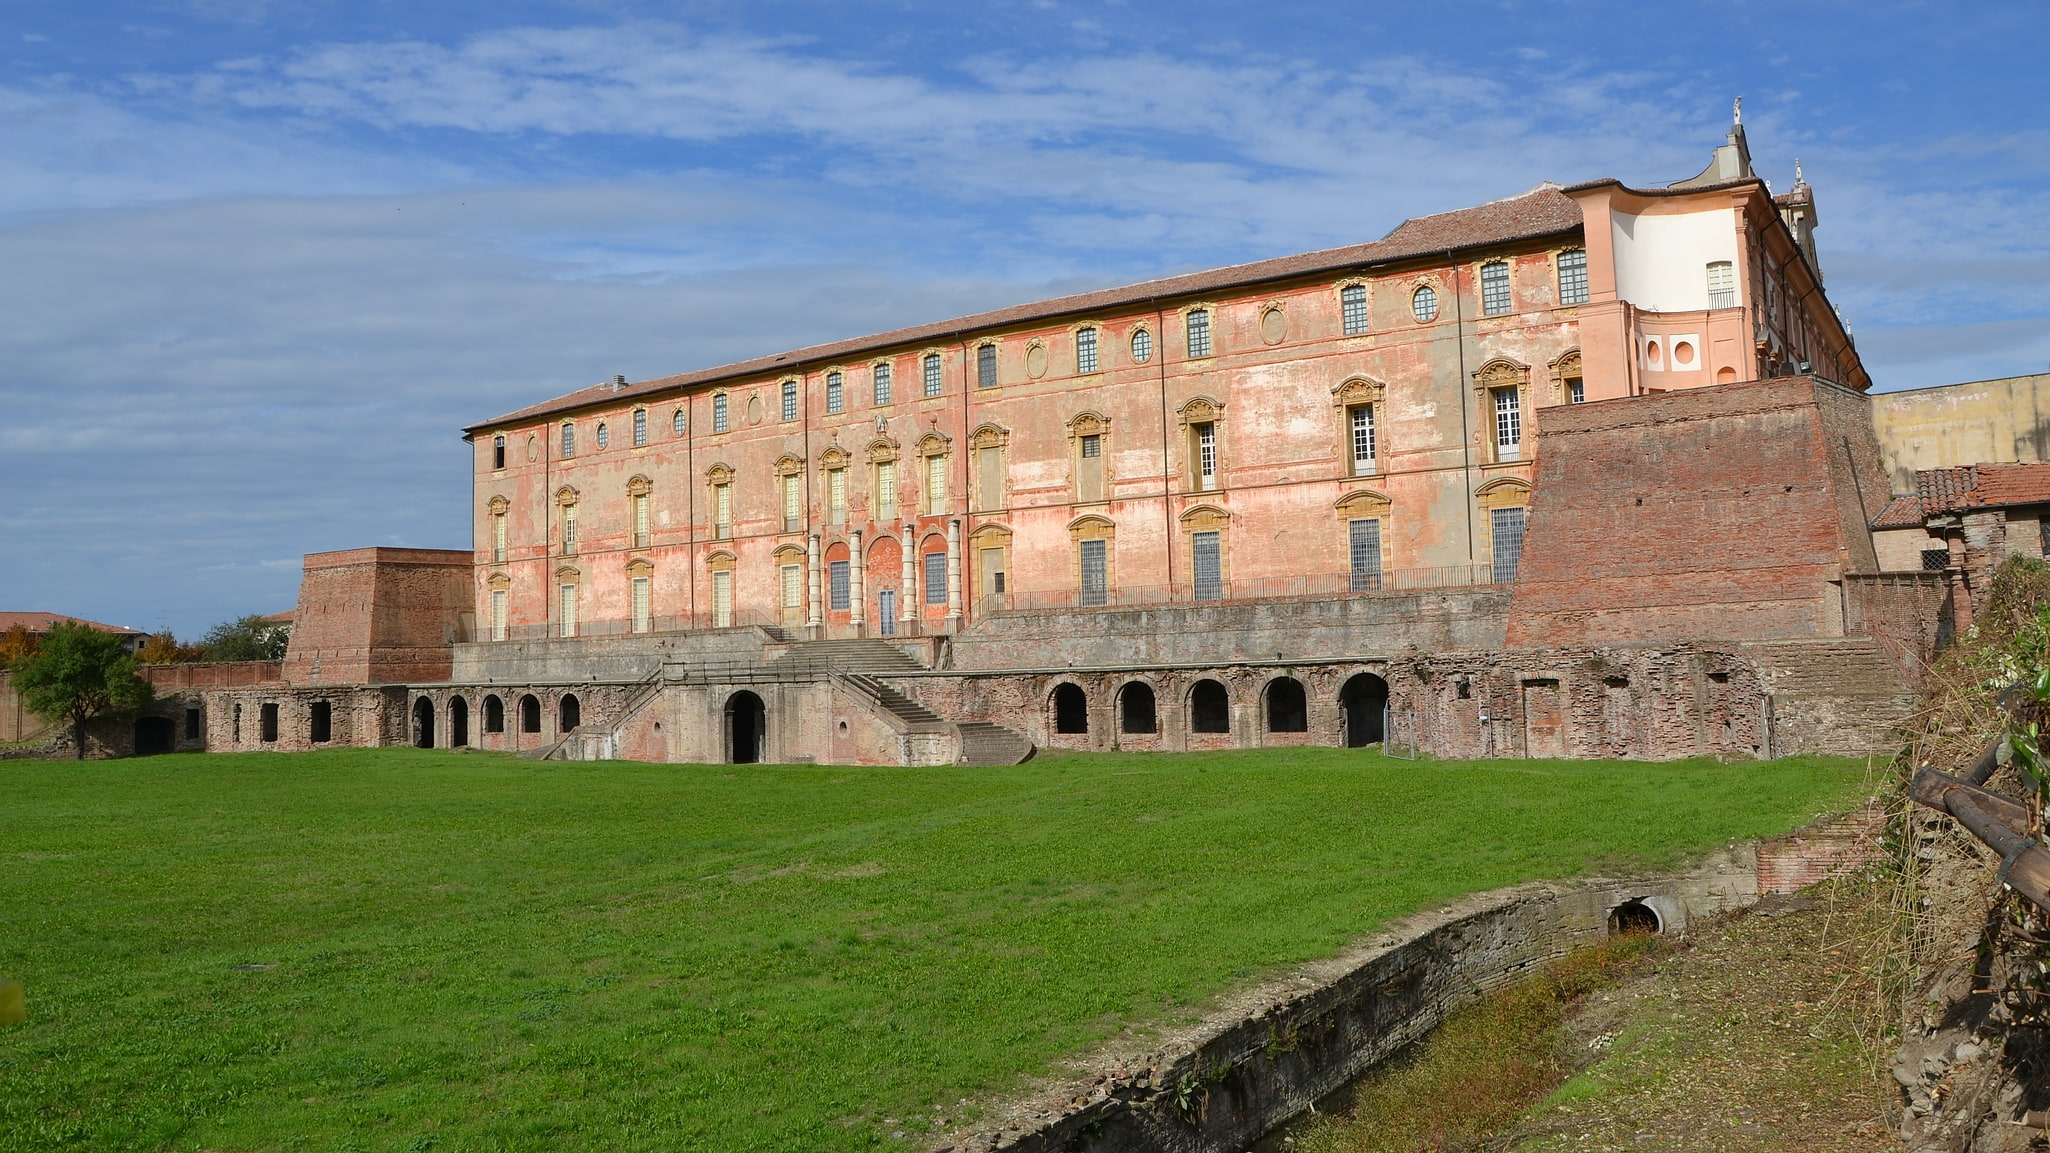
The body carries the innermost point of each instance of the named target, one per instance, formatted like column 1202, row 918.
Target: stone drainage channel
column 1246, row 1070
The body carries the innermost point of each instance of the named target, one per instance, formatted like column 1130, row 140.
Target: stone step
column 983, row 743
column 897, row 704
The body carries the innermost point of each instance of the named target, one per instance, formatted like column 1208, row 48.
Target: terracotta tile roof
column 41, row 623
column 1947, row 490
column 1903, row 511
column 1543, row 211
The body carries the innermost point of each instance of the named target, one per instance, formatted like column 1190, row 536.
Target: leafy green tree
column 250, row 639
column 81, row 673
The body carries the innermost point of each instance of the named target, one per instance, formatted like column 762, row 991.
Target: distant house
column 1966, row 521
column 39, row 623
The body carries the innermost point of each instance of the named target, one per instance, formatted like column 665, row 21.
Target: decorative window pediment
column 1088, row 423
column 1365, row 502
column 566, row 574
column 721, row 561
column 639, row 486
column 1205, row 518
column 500, row 506
column 788, row 465
column 1503, row 492
column 834, row 457
column 565, row 495
column 933, row 444
column 1358, row 390
column 1201, row 410
column 882, row 450
column 989, row 436
column 640, row 568
column 991, row 535
column 1502, row 372
column 719, row 474
column 1091, row 527
column 500, row 581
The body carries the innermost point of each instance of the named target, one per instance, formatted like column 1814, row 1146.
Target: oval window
column 1424, row 305
column 1142, row 346
column 604, row 436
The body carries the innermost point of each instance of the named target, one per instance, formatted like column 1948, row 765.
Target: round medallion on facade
column 754, row 408
column 1035, row 361
column 1273, row 326
column 533, row 448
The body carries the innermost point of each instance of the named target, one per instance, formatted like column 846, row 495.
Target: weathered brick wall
column 1831, row 847
column 379, row 615
column 1716, row 513
column 1910, row 615
column 213, row 675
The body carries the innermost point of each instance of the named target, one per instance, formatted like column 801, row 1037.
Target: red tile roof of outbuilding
column 42, row 623
column 1947, row 490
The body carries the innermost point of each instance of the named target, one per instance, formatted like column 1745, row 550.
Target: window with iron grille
column 1365, row 542
column 1092, row 446
column 882, row 381
column 497, row 452
column 719, row 413
column 932, row 374
column 789, row 400
column 604, row 435
column 793, row 504
column 569, row 441
column 1935, row 559
column 498, row 613
column 640, row 427
column 1142, row 346
column 1495, row 288
column 1095, row 572
column 1424, row 304
column 1085, row 350
column 722, row 511
column 835, row 392
column 1722, row 284
column 1508, row 424
column 935, row 578
column 836, row 586
column 677, row 423
column 566, row 609
column 1207, row 563
column 1573, row 276
column 642, row 618
column 1506, row 529
column 1362, row 439
column 641, row 525
column 986, row 366
column 722, row 600
column 1199, row 333
column 1352, row 300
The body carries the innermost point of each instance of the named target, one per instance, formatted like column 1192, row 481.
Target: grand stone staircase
column 860, row 663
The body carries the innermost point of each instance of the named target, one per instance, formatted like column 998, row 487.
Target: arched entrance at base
column 423, row 724
column 155, row 735
column 458, row 722
column 746, row 723
column 1364, row 703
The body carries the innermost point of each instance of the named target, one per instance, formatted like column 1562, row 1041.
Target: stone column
column 954, row 574
column 857, row 564
column 907, row 596
column 814, row 614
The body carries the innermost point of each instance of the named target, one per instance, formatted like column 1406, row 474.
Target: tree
column 165, row 649
column 250, row 639
column 81, row 673
column 17, row 645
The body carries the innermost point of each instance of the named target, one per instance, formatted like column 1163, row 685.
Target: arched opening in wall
column 320, row 723
column 1364, row 702
column 1288, row 708
column 494, row 714
column 1070, row 709
column 154, row 735
column 458, row 722
column 423, row 724
column 530, row 714
column 571, row 713
column 267, row 721
column 1633, row 917
column 746, row 720
column 1136, row 713
column 1209, row 708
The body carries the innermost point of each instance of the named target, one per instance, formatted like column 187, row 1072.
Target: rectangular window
column 1575, row 394
column 642, row 528
column 1506, row 527
column 789, row 400
column 1352, row 302
column 1722, row 284
column 1573, row 277
column 993, row 577
column 935, row 578
column 192, row 724
column 836, row 586
column 320, row 722
column 498, row 536
column 569, row 528
column 986, row 366
column 719, row 413
column 882, row 384
column 935, row 485
column 835, row 392
column 498, row 615
column 1092, row 446
column 1935, row 559
column 497, row 452
column 722, row 600
column 989, row 476
column 1208, row 565
column 268, row 718
column 643, row 619
column 1199, row 333
column 791, row 578
column 1495, row 288
column 1095, row 572
column 836, row 496
column 640, row 427
column 1366, row 554
column 1206, row 457
column 569, row 441
column 1089, row 469
column 566, row 609
column 932, row 374
column 1508, row 425
column 1085, row 350
column 722, row 511
column 886, row 612
column 793, row 503
column 886, row 487
column 1363, row 439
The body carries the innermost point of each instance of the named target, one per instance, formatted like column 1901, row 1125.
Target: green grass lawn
column 390, row 949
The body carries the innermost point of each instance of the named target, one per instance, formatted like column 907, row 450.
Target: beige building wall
column 1979, row 422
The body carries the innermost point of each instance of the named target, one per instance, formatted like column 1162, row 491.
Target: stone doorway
column 1364, row 704
column 746, row 725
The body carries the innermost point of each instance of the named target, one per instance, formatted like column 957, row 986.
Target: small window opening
column 269, row 721
column 1070, row 709
column 320, row 723
column 497, row 452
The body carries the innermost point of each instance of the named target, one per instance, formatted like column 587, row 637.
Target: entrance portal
column 458, row 722
column 155, row 735
column 423, row 724
column 1364, row 700
column 746, row 723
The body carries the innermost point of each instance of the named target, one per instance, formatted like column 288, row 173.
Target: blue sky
column 260, row 261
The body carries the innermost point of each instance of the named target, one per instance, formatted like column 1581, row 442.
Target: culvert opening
column 1633, row 917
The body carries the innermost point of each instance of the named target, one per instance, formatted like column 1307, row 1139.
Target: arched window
column 640, row 427
column 458, row 722
column 1495, row 288
column 1423, row 304
column 530, row 714
column 1142, row 345
column 678, row 422
column 572, row 713
column 1136, row 713
column 1209, row 708
column 1070, row 709
column 1288, row 710
column 1085, row 350
column 569, row 440
column 494, row 714
column 604, row 435
column 1352, row 301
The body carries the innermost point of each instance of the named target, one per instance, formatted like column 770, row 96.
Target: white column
column 857, row 562
column 907, row 597
column 814, row 615
column 954, row 571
